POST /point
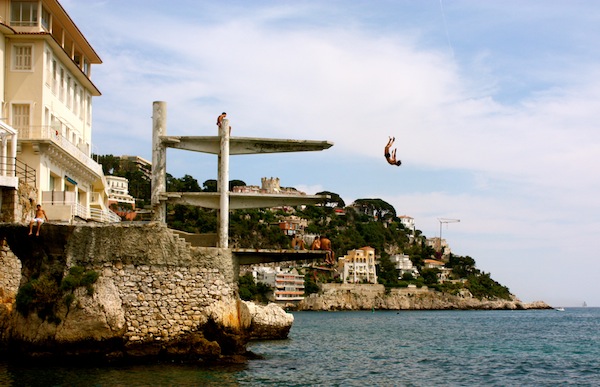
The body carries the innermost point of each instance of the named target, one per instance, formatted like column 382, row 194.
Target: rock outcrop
column 124, row 292
column 367, row 297
column 269, row 322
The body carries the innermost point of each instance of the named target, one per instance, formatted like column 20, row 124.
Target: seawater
column 380, row 348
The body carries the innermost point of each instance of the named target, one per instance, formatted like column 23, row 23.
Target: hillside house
column 358, row 266
column 287, row 285
column 403, row 265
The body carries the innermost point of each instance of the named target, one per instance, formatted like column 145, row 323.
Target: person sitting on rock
column 39, row 213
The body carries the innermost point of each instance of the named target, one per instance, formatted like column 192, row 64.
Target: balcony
column 61, row 206
column 47, row 133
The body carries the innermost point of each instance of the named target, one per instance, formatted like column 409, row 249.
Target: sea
column 378, row 348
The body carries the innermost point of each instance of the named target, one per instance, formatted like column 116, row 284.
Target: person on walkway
column 298, row 242
column 220, row 119
column 40, row 216
column 326, row 245
column 391, row 157
column 316, row 244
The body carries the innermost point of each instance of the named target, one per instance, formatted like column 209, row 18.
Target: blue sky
column 494, row 106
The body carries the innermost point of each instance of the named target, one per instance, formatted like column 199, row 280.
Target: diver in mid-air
column 391, row 158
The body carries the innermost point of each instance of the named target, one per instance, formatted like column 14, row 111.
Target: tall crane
column 444, row 220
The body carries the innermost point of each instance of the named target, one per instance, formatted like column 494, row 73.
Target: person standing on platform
column 220, row 120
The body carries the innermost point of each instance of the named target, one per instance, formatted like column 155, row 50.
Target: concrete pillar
column 159, row 161
column 223, row 184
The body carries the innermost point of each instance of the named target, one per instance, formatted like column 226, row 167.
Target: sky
column 494, row 107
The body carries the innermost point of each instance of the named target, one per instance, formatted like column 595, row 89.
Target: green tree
column 461, row 267
column 111, row 165
column 430, row 276
column 376, row 208
column 335, row 200
column 209, row 185
column 235, row 183
column 387, row 275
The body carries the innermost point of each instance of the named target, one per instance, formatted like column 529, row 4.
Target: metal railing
column 11, row 166
column 50, row 133
column 104, row 216
column 65, row 198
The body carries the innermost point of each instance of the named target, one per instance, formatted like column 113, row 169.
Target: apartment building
column 47, row 92
column 404, row 265
column 118, row 191
column 358, row 266
column 287, row 284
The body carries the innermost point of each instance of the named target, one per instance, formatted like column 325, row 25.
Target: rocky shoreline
column 367, row 297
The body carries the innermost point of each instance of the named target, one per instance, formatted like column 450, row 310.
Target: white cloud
column 502, row 135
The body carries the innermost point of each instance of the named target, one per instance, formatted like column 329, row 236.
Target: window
column 22, row 57
column 88, row 110
column 54, row 76
column 76, row 99
column 20, row 116
column 80, row 103
column 69, row 92
column 48, row 68
column 45, row 18
column 24, row 13
column 61, row 85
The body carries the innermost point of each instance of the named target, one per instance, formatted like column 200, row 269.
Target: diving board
column 223, row 146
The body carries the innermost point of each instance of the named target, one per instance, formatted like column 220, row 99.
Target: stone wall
column 10, row 273
column 154, row 294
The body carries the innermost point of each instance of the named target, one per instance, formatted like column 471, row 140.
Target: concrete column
column 223, row 184
column 159, row 161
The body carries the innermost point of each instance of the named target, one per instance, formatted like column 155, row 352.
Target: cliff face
column 151, row 294
column 367, row 297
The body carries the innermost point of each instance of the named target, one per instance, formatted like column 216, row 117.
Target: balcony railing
column 10, row 166
column 49, row 133
column 66, row 199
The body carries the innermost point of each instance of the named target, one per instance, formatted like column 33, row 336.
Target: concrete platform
column 239, row 201
column 243, row 145
column 254, row 256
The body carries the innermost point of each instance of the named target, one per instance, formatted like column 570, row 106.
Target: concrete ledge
column 253, row 256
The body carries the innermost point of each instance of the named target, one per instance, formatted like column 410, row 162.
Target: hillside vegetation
column 365, row 222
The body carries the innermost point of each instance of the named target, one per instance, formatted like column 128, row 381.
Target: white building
column 408, row 222
column 287, row 285
column 358, row 266
column 403, row 264
column 118, row 190
column 47, row 92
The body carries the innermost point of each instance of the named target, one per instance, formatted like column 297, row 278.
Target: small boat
column 560, row 309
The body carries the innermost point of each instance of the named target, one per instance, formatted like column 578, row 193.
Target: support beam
column 223, row 184
column 159, row 161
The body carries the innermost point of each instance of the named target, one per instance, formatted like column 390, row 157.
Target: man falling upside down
column 391, row 158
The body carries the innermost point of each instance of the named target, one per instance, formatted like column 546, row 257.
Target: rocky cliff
column 123, row 292
column 367, row 297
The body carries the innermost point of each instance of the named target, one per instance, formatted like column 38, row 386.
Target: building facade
column 118, row 191
column 358, row 266
column 287, row 285
column 404, row 265
column 47, row 93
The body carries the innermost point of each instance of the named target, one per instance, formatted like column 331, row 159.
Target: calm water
column 384, row 348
